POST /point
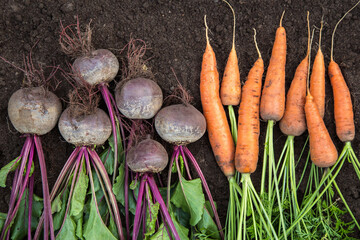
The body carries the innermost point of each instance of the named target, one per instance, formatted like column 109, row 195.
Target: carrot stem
column 272, row 180
column 233, row 124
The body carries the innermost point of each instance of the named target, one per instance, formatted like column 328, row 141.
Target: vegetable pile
column 131, row 174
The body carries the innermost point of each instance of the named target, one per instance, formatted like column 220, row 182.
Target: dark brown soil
column 175, row 35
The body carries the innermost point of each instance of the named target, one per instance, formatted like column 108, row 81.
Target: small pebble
column 67, row 7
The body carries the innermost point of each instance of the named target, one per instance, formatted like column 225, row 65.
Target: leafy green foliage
column 189, row 197
column 5, row 170
column 206, row 227
column 19, row 226
column 151, row 219
column 79, row 193
column 94, row 227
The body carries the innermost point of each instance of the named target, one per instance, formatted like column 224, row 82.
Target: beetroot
column 34, row 110
column 180, row 124
column 99, row 66
column 139, row 98
column 147, row 156
column 85, row 130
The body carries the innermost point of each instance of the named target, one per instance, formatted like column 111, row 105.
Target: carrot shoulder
column 217, row 125
column 272, row 104
column 343, row 109
column 247, row 147
column 323, row 152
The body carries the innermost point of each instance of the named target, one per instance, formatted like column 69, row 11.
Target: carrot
column 247, row 147
column 293, row 122
column 217, row 126
column 343, row 110
column 317, row 80
column 272, row 104
column 323, row 152
column 230, row 91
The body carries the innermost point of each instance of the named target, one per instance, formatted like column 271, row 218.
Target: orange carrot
column 247, row 147
column 343, row 110
column 323, row 152
column 230, row 90
column 293, row 122
column 272, row 104
column 217, row 126
column 317, row 80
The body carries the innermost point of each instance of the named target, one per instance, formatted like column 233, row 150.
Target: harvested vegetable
column 293, row 124
column 138, row 96
column 33, row 110
column 218, row 129
column 78, row 214
column 146, row 158
column 272, row 107
column 96, row 67
column 230, row 91
column 180, row 125
column 246, row 156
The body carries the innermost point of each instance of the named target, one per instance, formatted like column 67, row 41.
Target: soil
column 175, row 35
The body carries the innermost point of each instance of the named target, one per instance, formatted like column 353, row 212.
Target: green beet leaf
column 151, row 219
column 68, row 231
column 189, row 197
column 206, row 225
column 162, row 234
column 79, row 193
column 19, row 226
column 5, row 170
column 95, row 228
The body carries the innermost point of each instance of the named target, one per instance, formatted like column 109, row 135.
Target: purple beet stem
column 111, row 102
column 138, row 207
column 73, row 182
column 31, row 192
column 105, row 93
column 57, row 184
column 174, row 156
column 185, row 162
column 46, row 196
column 108, row 186
column 19, row 183
column 206, row 187
column 163, row 207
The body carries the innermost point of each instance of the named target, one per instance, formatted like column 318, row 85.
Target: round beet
column 99, row 66
column 85, row 130
column 147, row 156
column 180, row 124
column 139, row 98
column 34, row 110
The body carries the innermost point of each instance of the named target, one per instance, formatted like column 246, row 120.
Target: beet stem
column 163, row 207
column 57, row 184
column 105, row 93
column 108, row 186
column 30, row 195
column 207, row 190
column 46, row 196
column 73, row 182
column 88, row 166
column 104, row 191
column 174, row 156
column 185, row 162
column 138, row 207
column 12, row 212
